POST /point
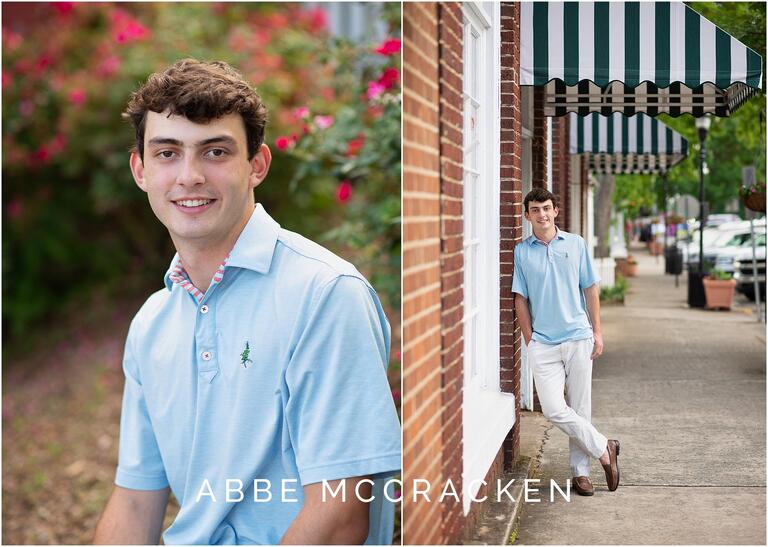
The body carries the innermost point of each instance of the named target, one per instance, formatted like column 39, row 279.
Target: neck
column 201, row 259
column 547, row 235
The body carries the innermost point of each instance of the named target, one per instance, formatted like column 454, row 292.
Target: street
column 684, row 392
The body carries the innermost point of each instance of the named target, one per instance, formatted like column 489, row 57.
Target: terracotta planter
column 719, row 293
column 626, row 268
column 755, row 201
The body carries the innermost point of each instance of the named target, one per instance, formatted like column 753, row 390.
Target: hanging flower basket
column 753, row 196
column 755, row 201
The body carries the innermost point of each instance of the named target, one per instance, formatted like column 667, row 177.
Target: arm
column 132, row 517
column 523, row 314
column 331, row 522
column 593, row 307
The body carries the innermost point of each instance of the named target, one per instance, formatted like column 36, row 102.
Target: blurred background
column 81, row 247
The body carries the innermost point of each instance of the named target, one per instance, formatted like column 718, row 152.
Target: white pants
column 568, row 366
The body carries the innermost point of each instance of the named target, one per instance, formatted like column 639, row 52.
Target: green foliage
column 616, row 293
column 74, row 219
column 720, row 275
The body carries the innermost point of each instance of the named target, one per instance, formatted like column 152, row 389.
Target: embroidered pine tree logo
column 244, row 356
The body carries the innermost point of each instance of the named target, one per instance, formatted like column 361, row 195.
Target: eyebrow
column 224, row 139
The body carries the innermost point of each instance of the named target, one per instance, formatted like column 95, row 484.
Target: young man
column 255, row 380
column 553, row 274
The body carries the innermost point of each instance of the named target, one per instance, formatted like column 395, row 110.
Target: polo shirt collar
column 558, row 235
column 253, row 249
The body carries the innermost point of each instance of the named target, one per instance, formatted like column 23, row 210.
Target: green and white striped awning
column 632, row 57
column 626, row 144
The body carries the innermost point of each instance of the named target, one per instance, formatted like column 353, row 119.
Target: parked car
column 722, row 218
column 725, row 257
column 744, row 271
column 719, row 237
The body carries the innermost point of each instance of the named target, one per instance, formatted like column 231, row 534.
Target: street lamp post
column 696, row 297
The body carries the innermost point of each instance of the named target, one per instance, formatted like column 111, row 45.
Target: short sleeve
column 341, row 416
column 519, row 283
column 587, row 275
column 139, row 466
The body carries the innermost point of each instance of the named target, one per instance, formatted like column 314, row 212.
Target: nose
column 190, row 173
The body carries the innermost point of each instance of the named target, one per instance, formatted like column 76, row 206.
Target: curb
column 498, row 525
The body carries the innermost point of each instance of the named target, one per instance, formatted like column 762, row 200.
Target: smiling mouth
column 192, row 203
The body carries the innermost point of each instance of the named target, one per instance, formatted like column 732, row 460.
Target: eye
column 217, row 152
column 165, row 154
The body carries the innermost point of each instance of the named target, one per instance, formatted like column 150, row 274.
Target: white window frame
column 488, row 414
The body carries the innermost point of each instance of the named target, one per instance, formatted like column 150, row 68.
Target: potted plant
column 626, row 267
column 718, row 288
column 753, row 196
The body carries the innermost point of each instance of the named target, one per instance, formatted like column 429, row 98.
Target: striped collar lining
column 180, row 276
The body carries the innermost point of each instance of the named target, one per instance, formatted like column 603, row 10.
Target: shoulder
column 573, row 239
column 149, row 312
column 303, row 261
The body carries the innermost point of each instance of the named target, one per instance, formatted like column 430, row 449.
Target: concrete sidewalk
column 684, row 391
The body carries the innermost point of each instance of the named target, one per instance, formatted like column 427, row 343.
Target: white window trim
column 488, row 413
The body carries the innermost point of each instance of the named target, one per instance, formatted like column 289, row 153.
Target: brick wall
column 511, row 212
column 451, row 254
column 561, row 167
column 422, row 380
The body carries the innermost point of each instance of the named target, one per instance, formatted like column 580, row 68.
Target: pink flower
column 343, row 191
column 317, row 19
column 64, row 7
column 389, row 77
column 109, row 66
column 375, row 89
column 77, row 96
column 43, row 62
column 11, row 40
column 6, row 78
column 282, row 142
column 42, row 155
column 301, row 113
column 131, row 32
column 355, row 145
column 389, row 47
column 396, row 394
column 125, row 28
column 15, row 208
column 323, row 122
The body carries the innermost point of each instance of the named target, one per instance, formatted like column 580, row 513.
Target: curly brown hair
column 539, row 195
column 201, row 92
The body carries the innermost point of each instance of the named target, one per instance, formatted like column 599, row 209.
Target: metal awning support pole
column 666, row 191
column 754, row 268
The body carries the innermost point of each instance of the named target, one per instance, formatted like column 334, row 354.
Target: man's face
column 541, row 214
column 198, row 177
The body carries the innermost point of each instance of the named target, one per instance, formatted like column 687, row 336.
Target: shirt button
column 203, row 309
column 206, row 355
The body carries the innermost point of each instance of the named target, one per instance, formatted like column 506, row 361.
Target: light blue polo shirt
column 552, row 277
column 308, row 401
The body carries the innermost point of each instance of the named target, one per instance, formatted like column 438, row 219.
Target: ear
column 137, row 170
column 260, row 166
column 555, row 212
column 526, row 215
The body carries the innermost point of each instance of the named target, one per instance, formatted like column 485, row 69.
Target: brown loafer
column 612, row 469
column 583, row 486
